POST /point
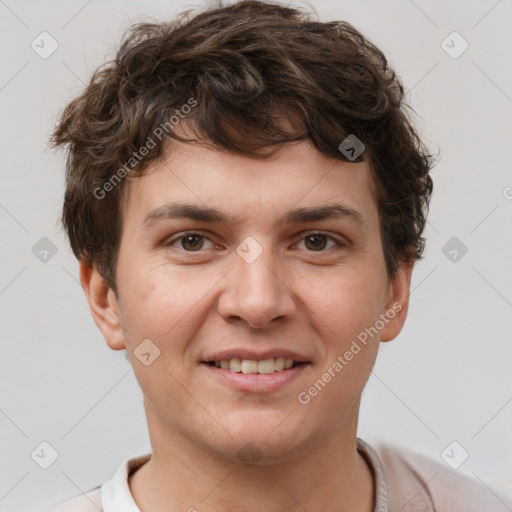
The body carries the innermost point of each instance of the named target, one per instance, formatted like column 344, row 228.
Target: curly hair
column 242, row 65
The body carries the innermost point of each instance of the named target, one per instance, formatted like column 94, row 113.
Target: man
column 246, row 197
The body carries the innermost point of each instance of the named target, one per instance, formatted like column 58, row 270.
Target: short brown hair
column 241, row 64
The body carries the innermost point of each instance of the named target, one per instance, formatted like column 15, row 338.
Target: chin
column 252, row 451
column 260, row 438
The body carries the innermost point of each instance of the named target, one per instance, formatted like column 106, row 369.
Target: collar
column 116, row 495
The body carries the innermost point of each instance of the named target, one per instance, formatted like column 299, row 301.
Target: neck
column 181, row 475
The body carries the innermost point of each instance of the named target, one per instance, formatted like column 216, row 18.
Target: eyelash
column 338, row 243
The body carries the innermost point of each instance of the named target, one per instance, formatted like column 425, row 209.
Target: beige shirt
column 405, row 481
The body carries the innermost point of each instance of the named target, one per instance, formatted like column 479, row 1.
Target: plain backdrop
column 446, row 378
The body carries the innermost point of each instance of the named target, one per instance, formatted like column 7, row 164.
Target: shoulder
column 417, row 482
column 88, row 502
column 112, row 495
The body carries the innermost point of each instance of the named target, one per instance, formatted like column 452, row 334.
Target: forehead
column 243, row 190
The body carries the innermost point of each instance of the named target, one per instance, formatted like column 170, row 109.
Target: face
column 230, row 265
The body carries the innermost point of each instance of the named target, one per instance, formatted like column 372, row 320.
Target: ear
column 103, row 305
column 397, row 302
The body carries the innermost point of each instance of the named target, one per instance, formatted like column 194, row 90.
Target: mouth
column 262, row 367
column 251, row 372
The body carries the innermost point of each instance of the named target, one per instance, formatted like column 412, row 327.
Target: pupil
column 193, row 241
column 319, row 243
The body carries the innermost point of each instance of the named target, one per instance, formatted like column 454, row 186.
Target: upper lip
column 242, row 353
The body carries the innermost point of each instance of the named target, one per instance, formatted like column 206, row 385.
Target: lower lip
column 257, row 382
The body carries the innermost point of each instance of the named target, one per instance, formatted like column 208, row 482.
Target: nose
column 257, row 292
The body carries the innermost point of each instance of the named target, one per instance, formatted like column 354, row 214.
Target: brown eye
column 319, row 242
column 316, row 242
column 192, row 242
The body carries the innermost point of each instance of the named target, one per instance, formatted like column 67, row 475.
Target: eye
column 190, row 242
column 194, row 242
column 317, row 242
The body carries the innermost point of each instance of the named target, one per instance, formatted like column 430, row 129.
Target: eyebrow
column 206, row 214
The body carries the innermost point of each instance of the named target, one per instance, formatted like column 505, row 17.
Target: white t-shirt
column 405, row 481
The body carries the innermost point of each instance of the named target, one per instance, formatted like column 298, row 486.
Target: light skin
column 193, row 297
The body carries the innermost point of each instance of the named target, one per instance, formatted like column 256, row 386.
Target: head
column 229, row 128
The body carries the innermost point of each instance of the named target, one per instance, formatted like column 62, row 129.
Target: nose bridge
column 256, row 292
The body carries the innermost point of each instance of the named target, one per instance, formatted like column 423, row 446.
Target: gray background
column 446, row 378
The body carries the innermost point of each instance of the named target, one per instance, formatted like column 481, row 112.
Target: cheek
column 345, row 301
column 346, row 310
column 345, row 317
column 162, row 303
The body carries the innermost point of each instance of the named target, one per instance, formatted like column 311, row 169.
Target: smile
column 265, row 366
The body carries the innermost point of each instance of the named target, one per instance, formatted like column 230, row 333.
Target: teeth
column 266, row 366
column 249, row 366
column 235, row 365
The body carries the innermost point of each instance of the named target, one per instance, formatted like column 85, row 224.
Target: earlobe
column 103, row 305
column 397, row 302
